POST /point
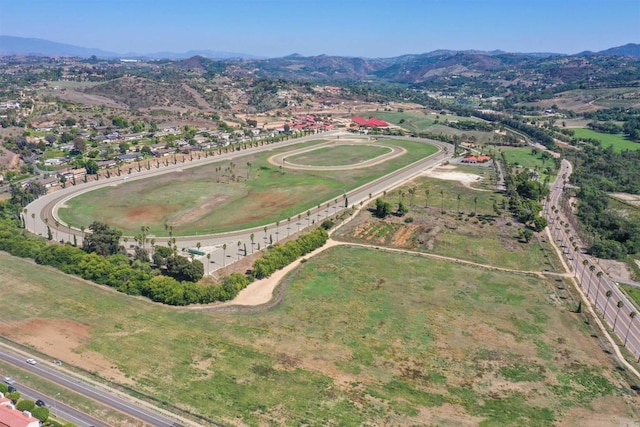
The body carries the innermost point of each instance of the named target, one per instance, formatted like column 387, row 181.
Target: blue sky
column 369, row 28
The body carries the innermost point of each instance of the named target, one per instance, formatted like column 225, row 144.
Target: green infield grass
column 245, row 192
column 339, row 155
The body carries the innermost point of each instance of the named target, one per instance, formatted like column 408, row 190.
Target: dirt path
column 261, row 292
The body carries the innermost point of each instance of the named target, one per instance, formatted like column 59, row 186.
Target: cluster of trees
column 470, row 125
column 525, row 194
column 629, row 116
column 170, row 279
column 280, row 256
column 599, row 171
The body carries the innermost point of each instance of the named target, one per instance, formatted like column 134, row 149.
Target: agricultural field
column 455, row 220
column 619, row 142
column 584, row 100
column 362, row 336
column 246, row 192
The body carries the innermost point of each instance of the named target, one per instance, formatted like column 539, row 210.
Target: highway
column 615, row 308
column 108, row 397
column 46, row 206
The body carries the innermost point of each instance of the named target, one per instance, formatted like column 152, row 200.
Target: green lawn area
column 339, row 155
column 414, row 121
column 523, row 156
column 619, row 142
column 361, row 337
column 226, row 196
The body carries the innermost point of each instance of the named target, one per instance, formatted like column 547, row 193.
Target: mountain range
column 11, row 45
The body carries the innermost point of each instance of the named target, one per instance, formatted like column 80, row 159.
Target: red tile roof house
column 11, row 417
column 475, row 159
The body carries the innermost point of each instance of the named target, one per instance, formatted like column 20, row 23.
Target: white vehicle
column 31, row 361
column 8, row 380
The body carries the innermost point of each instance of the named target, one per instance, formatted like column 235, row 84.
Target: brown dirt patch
column 402, row 235
column 615, row 269
column 198, row 212
column 148, row 214
column 64, row 340
column 605, row 412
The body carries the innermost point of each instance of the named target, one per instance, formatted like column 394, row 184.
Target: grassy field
column 485, row 237
column 414, row 121
column 339, row 155
column 524, row 157
column 619, row 142
column 361, row 337
column 208, row 199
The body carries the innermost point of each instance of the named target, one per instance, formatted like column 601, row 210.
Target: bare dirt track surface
column 62, row 339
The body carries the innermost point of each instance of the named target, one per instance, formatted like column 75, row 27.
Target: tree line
column 165, row 277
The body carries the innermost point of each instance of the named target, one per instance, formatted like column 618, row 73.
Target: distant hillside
column 10, row 45
column 140, row 93
column 630, row 49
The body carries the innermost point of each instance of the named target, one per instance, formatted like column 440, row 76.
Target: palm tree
column 208, row 262
column 589, row 288
column 33, row 217
column 57, row 225
column 585, row 262
column 608, row 295
column 239, row 244
column 224, row 254
column 620, row 304
column 412, row 193
column 265, row 232
column 626, row 335
column 475, row 205
column 459, row 197
column 277, row 228
column 442, row 203
column 251, row 237
column 289, row 225
column 426, row 198
column 592, row 268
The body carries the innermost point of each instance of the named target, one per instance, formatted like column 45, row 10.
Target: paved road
column 106, row 397
column 58, row 409
column 213, row 245
column 615, row 308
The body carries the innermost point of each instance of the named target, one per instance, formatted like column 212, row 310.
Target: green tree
column 382, row 208
column 91, row 166
column 42, row 414
column 25, row 405
column 103, row 240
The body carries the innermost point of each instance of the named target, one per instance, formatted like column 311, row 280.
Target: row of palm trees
column 590, row 269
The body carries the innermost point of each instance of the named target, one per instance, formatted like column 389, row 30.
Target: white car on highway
column 8, row 380
column 31, row 361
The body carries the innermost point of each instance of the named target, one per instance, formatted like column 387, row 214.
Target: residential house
column 130, row 157
column 11, row 417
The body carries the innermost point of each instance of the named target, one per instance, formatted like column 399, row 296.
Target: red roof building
column 371, row 122
column 475, row 159
column 11, row 417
